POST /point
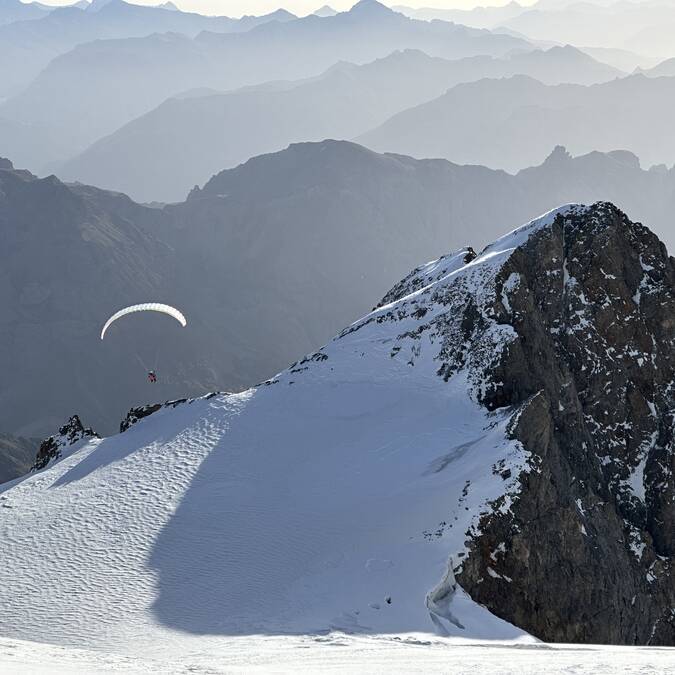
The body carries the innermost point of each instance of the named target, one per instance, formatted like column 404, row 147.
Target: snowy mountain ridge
column 440, row 449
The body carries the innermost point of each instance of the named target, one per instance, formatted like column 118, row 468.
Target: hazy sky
column 239, row 7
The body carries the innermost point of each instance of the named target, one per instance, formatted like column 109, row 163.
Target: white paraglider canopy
column 145, row 307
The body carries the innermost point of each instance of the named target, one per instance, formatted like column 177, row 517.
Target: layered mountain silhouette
column 621, row 34
column 27, row 47
column 664, row 69
column 15, row 10
column 477, row 17
column 161, row 155
column 98, row 86
column 267, row 261
column 645, row 27
column 505, row 123
column 325, row 10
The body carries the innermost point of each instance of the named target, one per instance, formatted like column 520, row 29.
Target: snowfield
column 311, row 522
column 340, row 653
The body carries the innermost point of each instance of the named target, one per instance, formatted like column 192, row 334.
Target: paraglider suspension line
column 140, row 360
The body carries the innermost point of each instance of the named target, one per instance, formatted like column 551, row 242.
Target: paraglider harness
column 152, row 377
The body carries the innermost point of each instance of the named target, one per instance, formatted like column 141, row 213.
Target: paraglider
column 145, row 307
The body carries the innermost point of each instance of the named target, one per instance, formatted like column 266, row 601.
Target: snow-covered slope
column 308, row 504
column 339, row 496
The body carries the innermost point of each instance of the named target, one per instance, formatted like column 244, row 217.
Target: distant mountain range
column 98, row 86
column 15, row 10
column 477, row 17
column 27, row 47
column 664, row 69
column 645, row 27
column 163, row 154
column 525, row 118
column 267, row 261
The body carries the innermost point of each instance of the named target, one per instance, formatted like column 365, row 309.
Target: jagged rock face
column 136, row 414
column 139, row 413
column 69, row 434
column 586, row 552
column 573, row 331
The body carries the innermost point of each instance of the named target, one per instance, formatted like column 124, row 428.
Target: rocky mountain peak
column 591, row 299
column 625, row 157
column 558, row 154
column 568, row 322
column 324, row 11
column 370, row 8
column 71, row 433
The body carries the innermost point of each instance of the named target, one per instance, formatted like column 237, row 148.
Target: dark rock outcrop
column 69, row 434
column 586, row 552
column 136, row 414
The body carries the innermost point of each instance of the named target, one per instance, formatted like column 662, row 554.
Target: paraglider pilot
column 152, row 377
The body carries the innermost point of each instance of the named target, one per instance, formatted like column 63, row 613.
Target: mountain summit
column 370, row 7
column 489, row 453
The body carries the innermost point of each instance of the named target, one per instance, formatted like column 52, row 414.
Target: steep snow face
column 341, row 495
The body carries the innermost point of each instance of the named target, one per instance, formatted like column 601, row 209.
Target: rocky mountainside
column 489, row 451
column 585, row 552
column 267, row 261
column 592, row 370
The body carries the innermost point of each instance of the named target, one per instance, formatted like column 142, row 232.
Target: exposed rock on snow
column 72, row 432
column 139, row 413
column 136, row 414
